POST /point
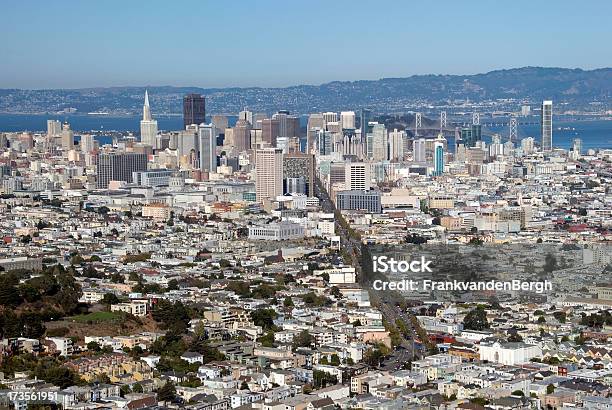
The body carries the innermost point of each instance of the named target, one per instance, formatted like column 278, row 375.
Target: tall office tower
column 246, row 115
column 508, row 148
column 242, row 135
column 187, row 141
column 293, row 126
column 460, row 154
column 67, row 137
column 299, row 165
column 281, row 117
column 364, row 119
column 379, row 142
column 357, row 176
column 207, row 144
column 330, row 116
column 194, row 109
column 496, row 148
column 577, row 146
column 546, row 124
column 87, row 143
column 528, row 145
column 54, row 128
column 257, row 119
column 438, row 158
column 347, row 119
column 268, row 173
column 324, row 142
column 420, row 150
column 316, row 121
column 219, row 121
column 228, row 137
column 119, row 166
column 270, row 130
column 396, row 145
column 148, row 126
column 467, row 136
column 476, row 133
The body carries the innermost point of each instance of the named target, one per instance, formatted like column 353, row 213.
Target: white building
column 279, row 231
column 133, row 308
column 509, row 353
column 148, row 126
column 207, row 144
column 347, row 119
column 269, row 173
column 357, row 176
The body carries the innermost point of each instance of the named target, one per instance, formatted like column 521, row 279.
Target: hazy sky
column 68, row 44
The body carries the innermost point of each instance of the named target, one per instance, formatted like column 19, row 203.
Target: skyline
column 204, row 45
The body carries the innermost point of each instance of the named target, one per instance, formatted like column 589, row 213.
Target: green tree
column 264, row 318
column 476, row 319
column 109, row 299
column 302, row 339
column 166, row 393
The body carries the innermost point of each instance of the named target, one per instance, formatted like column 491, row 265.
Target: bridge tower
column 475, row 118
column 417, row 123
column 442, row 121
column 513, row 129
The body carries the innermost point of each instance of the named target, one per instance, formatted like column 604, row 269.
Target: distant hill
column 576, row 87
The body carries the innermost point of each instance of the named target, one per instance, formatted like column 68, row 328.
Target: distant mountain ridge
column 575, row 87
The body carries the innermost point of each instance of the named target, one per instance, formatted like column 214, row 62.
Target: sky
column 268, row 43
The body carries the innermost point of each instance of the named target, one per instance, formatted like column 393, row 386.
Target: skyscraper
column 467, row 137
column 527, row 145
column 419, row 150
column 269, row 173
column 67, row 137
column 207, row 144
column 347, row 119
column 54, row 128
column 298, row 165
column 379, row 142
column 364, row 118
column 246, row 115
column 438, row 158
column 87, row 143
column 220, row 121
column 194, row 109
column 396, row 145
column 546, row 124
column 357, row 176
column 118, row 166
column 330, row 116
column 242, row 135
column 324, row 142
column 270, row 130
column 148, row 126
